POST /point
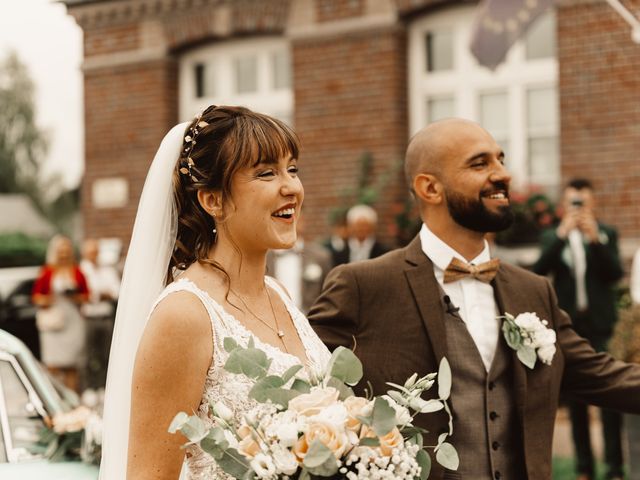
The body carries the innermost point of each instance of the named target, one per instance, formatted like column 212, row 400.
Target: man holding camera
column 581, row 255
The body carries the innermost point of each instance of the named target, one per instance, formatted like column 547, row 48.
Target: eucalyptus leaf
column 444, row 379
column 431, row 406
column 215, row 443
column 345, row 366
column 177, row 422
column 233, row 463
column 319, row 460
column 193, row 428
column 365, row 420
column 369, row 442
column 251, row 362
column 290, row 373
column 300, row 386
column 424, row 460
column 413, row 431
column 344, row 390
column 527, row 355
column 229, row 344
column 447, row 456
column 384, row 417
column 270, row 389
column 511, row 335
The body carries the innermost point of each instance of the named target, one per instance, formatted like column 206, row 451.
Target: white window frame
column 468, row 80
column 220, row 56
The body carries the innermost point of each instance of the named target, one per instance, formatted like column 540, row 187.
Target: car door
column 21, row 412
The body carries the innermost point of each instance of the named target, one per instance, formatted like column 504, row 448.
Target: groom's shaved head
column 427, row 149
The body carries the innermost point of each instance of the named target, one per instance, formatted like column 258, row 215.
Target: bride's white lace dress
column 232, row 389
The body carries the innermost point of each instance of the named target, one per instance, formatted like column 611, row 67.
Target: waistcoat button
column 495, row 445
column 497, row 475
column 493, row 415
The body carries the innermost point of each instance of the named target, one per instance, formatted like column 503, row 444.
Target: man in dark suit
column 582, row 256
column 406, row 310
column 361, row 244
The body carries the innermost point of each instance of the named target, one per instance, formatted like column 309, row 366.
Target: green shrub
column 20, row 250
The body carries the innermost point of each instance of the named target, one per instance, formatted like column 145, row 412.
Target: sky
column 49, row 42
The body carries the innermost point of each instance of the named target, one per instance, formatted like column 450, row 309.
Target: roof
column 74, row 3
column 24, row 217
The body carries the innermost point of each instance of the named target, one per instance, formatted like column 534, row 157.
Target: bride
column 222, row 190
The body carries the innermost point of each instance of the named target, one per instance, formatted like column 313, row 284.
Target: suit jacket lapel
column 426, row 294
column 507, row 303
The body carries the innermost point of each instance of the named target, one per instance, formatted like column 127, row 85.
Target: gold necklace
column 277, row 330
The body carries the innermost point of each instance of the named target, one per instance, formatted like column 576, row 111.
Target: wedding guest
column 337, row 242
column 104, row 285
column 59, row 291
column 362, row 221
column 103, row 281
column 405, row 311
column 581, row 254
column 300, row 269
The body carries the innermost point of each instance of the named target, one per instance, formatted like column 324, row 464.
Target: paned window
column 253, row 72
column 517, row 103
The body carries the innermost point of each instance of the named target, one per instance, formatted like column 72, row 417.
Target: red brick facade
column 350, row 89
column 600, row 107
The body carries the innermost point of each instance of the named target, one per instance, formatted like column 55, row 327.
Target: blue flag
column 499, row 23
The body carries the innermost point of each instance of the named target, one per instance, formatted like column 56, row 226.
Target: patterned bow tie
column 457, row 269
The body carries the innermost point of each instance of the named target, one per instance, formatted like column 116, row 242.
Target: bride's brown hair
column 216, row 145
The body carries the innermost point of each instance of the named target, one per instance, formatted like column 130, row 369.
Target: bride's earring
column 214, row 230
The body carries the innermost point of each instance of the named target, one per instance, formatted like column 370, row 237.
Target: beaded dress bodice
column 231, row 389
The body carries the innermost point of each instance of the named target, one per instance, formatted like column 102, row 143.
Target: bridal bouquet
column 307, row 428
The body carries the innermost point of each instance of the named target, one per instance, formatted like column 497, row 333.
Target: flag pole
column 629, row 18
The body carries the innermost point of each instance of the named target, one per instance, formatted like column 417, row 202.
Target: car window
column 25, row 424
column 3, row 448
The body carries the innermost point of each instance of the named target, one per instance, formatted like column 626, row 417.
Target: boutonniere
column 529, row 337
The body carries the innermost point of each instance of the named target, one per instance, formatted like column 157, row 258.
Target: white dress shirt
column 360, row 250
column 288, row 270
column 635, row 278
column 579, row 265
column 474, row 298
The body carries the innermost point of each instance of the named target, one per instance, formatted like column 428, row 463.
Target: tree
column 22, row 144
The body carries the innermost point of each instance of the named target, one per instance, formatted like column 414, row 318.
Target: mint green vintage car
column 28, row 396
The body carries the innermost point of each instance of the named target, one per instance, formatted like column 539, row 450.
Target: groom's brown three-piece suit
column 393, row 311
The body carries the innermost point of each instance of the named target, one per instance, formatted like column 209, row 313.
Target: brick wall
column 350, row 93
column 599, row 88
column 128, row 109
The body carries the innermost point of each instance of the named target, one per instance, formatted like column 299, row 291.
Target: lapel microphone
column 450, row 307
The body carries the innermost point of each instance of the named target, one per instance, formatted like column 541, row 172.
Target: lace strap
column 186, row 285
column 284, row 295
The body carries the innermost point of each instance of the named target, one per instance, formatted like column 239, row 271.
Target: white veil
column 145, row 270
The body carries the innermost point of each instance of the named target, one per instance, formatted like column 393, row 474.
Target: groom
column 404, row 311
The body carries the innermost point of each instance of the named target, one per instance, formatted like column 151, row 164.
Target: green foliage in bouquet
column 276, row 439
column 60, row 447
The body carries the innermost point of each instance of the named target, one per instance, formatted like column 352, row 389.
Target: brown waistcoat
column 483, row 408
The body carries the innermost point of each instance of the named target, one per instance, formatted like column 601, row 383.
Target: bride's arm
column 169, row 375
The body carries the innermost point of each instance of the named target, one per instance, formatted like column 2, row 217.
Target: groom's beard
column 471, row 213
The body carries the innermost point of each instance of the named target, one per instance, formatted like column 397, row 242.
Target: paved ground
column 562, row 442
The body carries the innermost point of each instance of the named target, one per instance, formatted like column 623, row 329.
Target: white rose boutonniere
column 530, row 337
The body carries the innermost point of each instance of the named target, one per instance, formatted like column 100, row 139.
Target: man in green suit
column 582, row 256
